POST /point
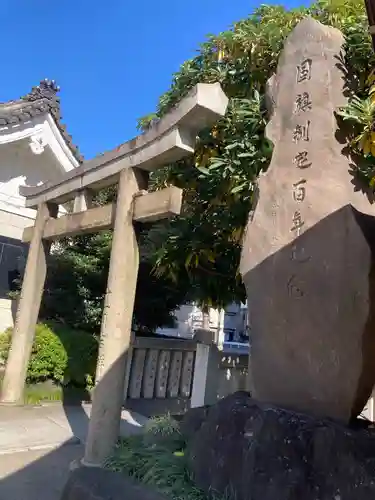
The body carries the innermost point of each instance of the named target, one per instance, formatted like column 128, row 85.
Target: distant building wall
column 13, row 254
column 14, row 217
column 228, row 325
column 16, row 169
column 189, row 318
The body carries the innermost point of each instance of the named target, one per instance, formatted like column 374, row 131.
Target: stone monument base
column 244, row 449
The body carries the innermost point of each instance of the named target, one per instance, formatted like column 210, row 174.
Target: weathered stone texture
column 91, row 483
column 307, row 260
column 247, row 450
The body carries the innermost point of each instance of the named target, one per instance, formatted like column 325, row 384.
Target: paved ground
column 36, row 475
column 29, row 428
column 37, row 445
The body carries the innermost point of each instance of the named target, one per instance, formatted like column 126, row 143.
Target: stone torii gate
column 168, row 140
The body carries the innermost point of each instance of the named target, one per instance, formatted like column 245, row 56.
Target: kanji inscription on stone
column 303, row 102
column 304, row 71
column 298, row 222
column 299, row 190
column 301, row 132
column 302, row 160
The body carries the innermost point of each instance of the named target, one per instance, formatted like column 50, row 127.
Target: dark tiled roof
column 42, row 99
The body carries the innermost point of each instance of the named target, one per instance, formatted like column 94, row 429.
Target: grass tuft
column 164, row 425
column 160, row 462
column 36, row 395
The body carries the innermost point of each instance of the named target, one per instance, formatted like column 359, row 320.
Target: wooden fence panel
column 187, row 374
column 136, row 373
column 149, row 376
column 174, row 375
column 162, row 374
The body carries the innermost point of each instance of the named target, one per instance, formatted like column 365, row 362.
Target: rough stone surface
column 250, row 450
column 307, row 259
column 91, row 483
column 192, row 421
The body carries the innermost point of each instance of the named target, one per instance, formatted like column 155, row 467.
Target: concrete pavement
column 38, row 445
column 38, row 474
column 50, row 426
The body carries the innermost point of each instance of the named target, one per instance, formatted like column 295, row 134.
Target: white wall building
column 34, row 148
column 189, row 318
column 229, row 325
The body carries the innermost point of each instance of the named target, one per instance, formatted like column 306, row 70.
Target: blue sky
column 111, row 58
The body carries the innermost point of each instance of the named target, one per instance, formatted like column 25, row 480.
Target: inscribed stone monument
column 307, row 259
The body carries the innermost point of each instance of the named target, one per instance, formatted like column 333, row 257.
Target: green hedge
column 60, row 354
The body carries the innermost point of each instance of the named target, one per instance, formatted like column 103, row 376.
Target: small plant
column 156, row 466
column 163, row 431
column 35, row 395
column 156, row 458
column 164, row 425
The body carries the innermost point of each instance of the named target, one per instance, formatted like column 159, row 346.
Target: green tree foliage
column 203, row 245
column 77, row 278
column 360, row 114
column 76, row 281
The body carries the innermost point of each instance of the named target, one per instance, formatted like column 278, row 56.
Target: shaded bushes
column 60, row 354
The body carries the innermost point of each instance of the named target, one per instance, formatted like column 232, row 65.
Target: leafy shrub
column 59, row 353
column 82, row 349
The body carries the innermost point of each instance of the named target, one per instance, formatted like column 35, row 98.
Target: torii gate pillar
column 115, row 333
column 28, row 308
